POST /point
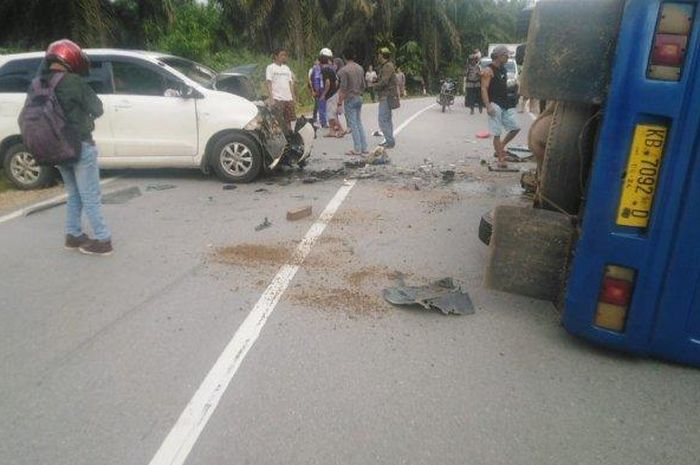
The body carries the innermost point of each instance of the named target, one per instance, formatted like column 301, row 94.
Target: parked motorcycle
column 447, row 93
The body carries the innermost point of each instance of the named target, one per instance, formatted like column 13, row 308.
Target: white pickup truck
column 161, row 111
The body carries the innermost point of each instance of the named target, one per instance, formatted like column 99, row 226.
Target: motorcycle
column 447, row 94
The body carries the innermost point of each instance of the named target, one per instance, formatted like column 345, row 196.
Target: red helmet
column 70, row 55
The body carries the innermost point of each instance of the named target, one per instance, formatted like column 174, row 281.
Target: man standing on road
column 315, row 84
column 371, row 79
column 401, row 82
column 280, row 86
column 472, row 84
column 388, row 94
column 81, row 179
column 329, row 97
column 494, row 92
column 352, row 85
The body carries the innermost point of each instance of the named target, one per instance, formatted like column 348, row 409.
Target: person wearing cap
column 494, row 93
column 386, row 88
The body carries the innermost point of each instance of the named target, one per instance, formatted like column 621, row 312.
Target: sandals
column 352, row 153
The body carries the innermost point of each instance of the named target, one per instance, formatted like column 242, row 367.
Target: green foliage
column 193, row 32
column 430, row 38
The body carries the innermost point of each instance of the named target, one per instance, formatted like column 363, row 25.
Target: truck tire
column 236, row 157
column 567, row 158
column 529, row 252
column 486, row 227
column 23, row 172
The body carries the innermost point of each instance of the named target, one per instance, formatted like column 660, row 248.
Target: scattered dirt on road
column 355, row 216
column 441, row 203
column 253, row 254
column 371, row 273
column 351, row 300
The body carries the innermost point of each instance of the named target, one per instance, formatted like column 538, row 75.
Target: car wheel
column 236, row 158
column 22, row 170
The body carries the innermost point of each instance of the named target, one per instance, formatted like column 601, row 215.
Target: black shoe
column 74, row 242
column 95, row 247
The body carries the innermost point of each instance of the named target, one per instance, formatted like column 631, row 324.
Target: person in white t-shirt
column 280, row 86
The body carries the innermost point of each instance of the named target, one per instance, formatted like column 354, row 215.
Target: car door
column 148, row 117
column 100, row 79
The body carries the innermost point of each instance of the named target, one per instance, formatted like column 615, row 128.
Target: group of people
column 338, row 86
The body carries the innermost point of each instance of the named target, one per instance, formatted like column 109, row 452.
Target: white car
column 160, row 111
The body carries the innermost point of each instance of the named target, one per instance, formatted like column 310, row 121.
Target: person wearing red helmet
column 81, row 107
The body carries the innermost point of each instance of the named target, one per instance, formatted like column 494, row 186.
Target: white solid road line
column 59, row 198
column 182, row 437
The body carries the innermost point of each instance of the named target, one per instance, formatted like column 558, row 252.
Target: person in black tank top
column 494, row 92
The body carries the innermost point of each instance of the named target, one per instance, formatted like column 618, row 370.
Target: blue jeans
column 82, row 182
column 353, row 113
column 385, row 122
column 323, row 119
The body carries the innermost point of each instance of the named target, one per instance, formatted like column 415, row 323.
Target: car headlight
column 255, row 123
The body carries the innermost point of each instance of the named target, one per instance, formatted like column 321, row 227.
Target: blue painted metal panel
column 664, row 316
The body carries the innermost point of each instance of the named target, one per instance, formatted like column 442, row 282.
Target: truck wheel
column 23, row 172
column 237, row 158
column 530, row 252
column 567, row 158
column 486, row 227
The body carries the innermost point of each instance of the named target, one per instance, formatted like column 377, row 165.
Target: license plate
column 642, row 175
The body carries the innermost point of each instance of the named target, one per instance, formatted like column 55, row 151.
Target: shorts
column 504, row 119
column 285, row 111
column 332, row 107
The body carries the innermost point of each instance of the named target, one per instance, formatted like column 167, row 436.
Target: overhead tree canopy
column 430, row 37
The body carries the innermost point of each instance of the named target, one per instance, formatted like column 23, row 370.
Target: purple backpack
column 45, row 131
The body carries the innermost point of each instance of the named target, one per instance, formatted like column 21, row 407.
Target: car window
column 134, row 79
column 198, row 73
column 16, row 75
column 99, row 78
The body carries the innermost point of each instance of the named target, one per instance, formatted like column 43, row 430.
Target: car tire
column 237, row 158
column 23, row 172
column 565, row 166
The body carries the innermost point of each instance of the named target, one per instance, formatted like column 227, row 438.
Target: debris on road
column 229, row 187
column 448, row 175
column 294, row 215
column 262, row 189
column 498, row 169
column 160, row 187
column 121, row 196
column 264, row 225
column 443, row 295
column 310, row 180
column 378, row 156
column 483, row 135
column 520, row 154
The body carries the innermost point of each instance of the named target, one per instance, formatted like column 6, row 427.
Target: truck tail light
column 671, row 41
column 614, row 298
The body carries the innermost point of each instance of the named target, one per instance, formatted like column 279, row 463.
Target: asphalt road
column 100, row 356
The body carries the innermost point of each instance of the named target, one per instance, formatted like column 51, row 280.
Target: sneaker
column 95, row 247
column 74, row 242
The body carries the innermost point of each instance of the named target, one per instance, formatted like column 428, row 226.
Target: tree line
column 430, row 38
